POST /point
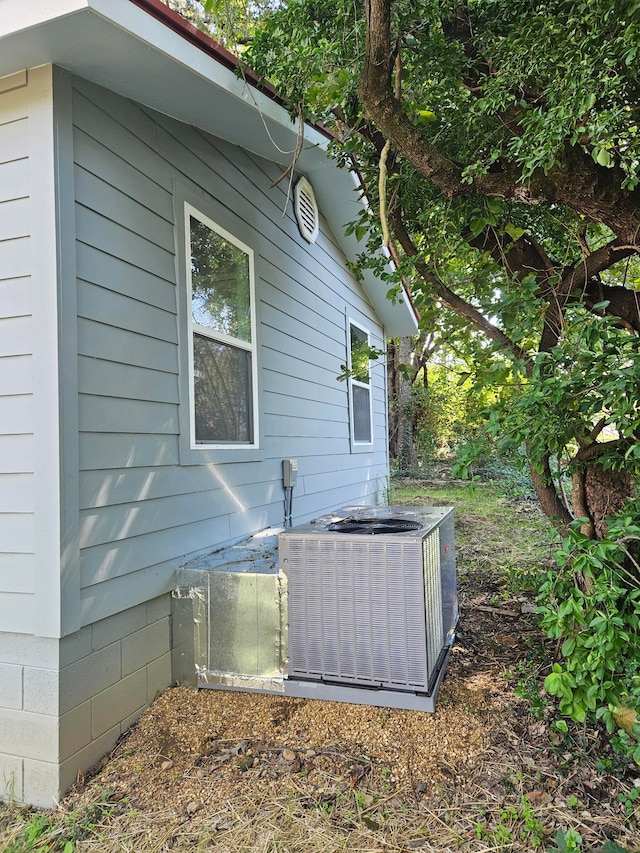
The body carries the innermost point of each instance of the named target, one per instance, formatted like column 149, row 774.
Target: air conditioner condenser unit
column 359, row 605
column 372, row 604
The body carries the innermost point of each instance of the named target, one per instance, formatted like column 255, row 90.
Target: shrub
column 591, row 604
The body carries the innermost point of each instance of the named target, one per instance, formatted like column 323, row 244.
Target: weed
column 58, row 833
column 532, row 826
column 569, row 841
column 502, row 835
column 481, row 830
column 513, row 825
column 528, row 688
column 361, row 800
column 10, row 788
column 630, row 801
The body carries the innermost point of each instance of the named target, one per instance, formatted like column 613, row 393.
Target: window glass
column 220, row 284
column 360, row 385
column 360, row 354
column 222, row 392
column 223, row 357
column 361, row 414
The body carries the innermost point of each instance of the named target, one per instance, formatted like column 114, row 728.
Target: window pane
column 361, row 414
column 360, row 355
column 222, row 390
column 220, row 289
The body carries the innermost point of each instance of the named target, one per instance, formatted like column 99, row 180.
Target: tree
column 499, row 143
column 230, row 22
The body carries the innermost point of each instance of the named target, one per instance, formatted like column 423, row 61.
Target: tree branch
column 448, row 297
column 576, row 182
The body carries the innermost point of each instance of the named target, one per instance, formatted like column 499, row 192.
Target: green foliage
column 520, row 89
column 630, row 801
column 591, row 605
column 230, row 22
column 507, row 467
column 456, row 407
column 514, row 824
column 567, row 75
column 52, row 832
column 310, row 52
column 583, row 381
column 568, row 841
column 528, row 688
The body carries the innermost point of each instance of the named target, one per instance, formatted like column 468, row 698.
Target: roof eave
column 144, row 51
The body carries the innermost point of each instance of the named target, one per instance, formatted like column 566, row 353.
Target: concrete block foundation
column 64, row 703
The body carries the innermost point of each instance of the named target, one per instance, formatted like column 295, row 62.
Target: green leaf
column 513, row 231
column 603, row 157
column 477, row 225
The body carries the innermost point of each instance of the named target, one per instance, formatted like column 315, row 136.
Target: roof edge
column 176, row 22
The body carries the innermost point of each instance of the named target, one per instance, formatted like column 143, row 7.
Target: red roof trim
column 174, row 21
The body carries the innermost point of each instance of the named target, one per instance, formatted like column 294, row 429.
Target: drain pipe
column 289, row 478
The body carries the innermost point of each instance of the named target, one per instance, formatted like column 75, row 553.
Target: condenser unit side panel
column 433, row 596
column 449, row 583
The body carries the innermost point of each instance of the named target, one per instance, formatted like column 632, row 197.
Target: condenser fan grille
column 373, row 526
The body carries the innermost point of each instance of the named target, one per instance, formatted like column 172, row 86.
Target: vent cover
column 306, row 210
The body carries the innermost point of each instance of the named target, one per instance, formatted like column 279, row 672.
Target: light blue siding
column 141, row 511
column 16, row 367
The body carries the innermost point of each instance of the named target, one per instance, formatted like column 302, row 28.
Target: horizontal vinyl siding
column 141, row 512
column 16, row 368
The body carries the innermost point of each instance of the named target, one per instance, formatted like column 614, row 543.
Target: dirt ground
column 487, row 772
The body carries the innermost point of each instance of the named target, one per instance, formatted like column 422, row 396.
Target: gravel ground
column 239, row 771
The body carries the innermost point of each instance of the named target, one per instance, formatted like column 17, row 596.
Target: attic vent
column 306, row 210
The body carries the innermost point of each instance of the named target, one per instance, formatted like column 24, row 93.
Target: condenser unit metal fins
column 367, row 610
column 356, row 612
column 433, row 598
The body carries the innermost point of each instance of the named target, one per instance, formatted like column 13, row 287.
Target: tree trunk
column 401, row 442
column 392, row 396
column 552, row 504
column 606, row 492
column 597, row 493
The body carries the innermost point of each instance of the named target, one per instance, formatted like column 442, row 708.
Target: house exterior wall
column 99, row 501
column 142, row 510
column 17, row 545
column 66, row 702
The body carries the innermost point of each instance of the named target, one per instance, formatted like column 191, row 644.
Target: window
column 360, row 384
column 220, row 284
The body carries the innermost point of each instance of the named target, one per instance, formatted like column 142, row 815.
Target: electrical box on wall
column 289, row 473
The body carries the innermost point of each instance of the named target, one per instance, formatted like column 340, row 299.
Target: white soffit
column 116, row 44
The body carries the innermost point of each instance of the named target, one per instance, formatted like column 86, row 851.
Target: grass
column 25, row 830
column 494, row 532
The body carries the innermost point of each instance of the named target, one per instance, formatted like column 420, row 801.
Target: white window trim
column 189, row 211
column 358, row 444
